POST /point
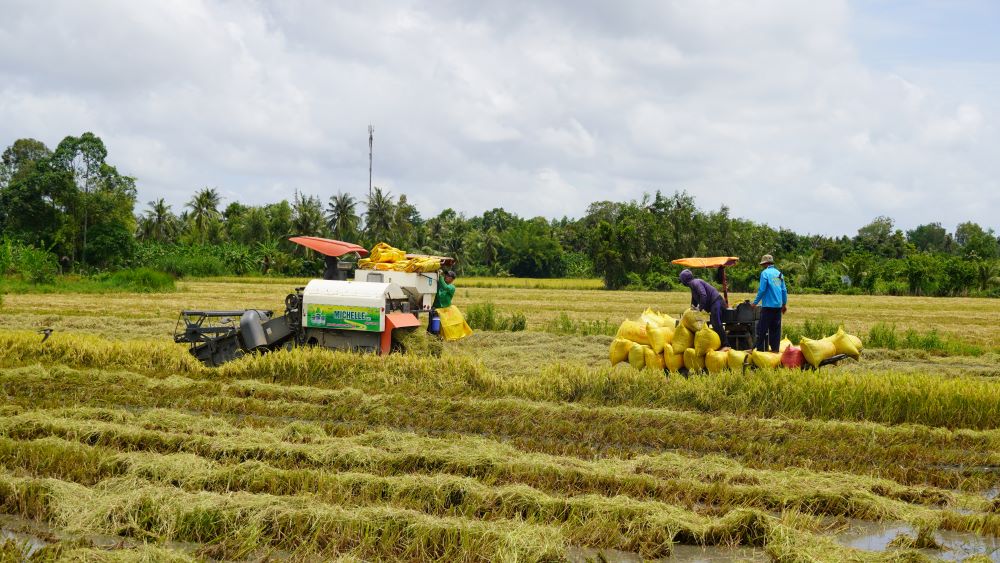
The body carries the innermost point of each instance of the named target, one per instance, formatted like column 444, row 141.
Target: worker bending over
column 706, row 298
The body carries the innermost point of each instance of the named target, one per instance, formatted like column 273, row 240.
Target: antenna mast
column 371, row 139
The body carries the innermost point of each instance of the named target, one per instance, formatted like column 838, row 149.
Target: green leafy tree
column 977, row 242
column 931, row 237
column 529, row 250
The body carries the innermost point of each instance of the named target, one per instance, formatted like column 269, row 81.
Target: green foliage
column 141, row 280
column 484, row 316
column 36, row 265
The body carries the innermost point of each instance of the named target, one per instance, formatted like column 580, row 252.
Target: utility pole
column 371, row 139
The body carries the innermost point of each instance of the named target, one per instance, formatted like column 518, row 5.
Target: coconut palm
column 380, row 215
column 342, row 216
column 158, row 223
column 307, row 216
column 204, row 208
column 806, row 268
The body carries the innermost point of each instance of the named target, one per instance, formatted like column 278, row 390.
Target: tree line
column 70, row 208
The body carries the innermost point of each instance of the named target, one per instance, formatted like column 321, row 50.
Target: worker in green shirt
column 445, row 291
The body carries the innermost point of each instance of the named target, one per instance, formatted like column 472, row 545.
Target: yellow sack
column 453, row 325
column 364, row 263
column 619, row 350
column 857, row 342
column 785, row 343
column 634, row 331
column 816, row 351
column 694, row 320
column 651, row 317
column 637, row 357
column 706, row 340
column 736, row 359
column 428, row 265
column 693, row 361
column 682, row 340
column 653, row 360
column 843, row 344
column 765, row 360
column 659, row 337
column 674, row 362
column 382, row 252
column 716, row 361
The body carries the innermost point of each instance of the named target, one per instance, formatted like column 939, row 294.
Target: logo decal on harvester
column 344, row 317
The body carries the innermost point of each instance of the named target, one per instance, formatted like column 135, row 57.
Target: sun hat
column 766, row 259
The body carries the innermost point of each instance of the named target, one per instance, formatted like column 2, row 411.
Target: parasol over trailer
column 719, row 262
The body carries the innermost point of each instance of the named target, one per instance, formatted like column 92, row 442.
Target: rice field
column 116, row 445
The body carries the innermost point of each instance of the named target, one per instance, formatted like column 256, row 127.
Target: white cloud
column 540, row 108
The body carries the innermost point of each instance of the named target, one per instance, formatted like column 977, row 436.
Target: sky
column 816, row 116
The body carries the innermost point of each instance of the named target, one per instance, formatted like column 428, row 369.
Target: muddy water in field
column 876, row 536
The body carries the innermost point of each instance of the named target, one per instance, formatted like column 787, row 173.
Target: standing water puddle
column 876, row 536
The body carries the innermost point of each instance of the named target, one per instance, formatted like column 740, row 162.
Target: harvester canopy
column 329, row 247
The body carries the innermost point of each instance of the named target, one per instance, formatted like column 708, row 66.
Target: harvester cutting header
column 368, row 307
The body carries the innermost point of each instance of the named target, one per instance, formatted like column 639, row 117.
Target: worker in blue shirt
column 773, row 298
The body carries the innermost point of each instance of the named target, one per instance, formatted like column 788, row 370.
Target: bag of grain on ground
column 674, row 362
column 716, row 361
column 815, row 351
column 637, row 356
column 634, row 331
column 706, row 340
column 654, row 361
column 694, row 320
column 765, row 360
column 736, row 359
column 619, row 350
column 682, row 340
column 693, row 361
column 659, row 337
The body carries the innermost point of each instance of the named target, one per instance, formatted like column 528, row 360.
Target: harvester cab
column 352, row 309
column 740, row 322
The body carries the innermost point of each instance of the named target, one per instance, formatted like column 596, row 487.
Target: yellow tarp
column 382, row 252
column 453, row 325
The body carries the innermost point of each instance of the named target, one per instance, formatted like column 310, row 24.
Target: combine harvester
column 370, row 313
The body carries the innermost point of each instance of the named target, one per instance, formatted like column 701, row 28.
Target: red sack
column 792, row 357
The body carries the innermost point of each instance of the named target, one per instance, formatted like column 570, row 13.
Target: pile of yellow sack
column 658, row 341
column 385, row 257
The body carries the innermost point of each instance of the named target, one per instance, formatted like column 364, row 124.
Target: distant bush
column 142, row 280
column 181, row 265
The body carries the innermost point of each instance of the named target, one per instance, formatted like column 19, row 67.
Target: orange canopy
column 329, row 247
column 713, row 262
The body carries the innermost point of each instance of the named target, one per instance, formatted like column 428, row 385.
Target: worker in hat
column 705, row 297
column 445, row 292
column 773, row 298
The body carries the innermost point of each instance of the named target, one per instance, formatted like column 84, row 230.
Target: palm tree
column 987, row 274
column 159, row 223
column 342, row 216
column 807, row 267
column 307, row 216
column 380, row 215
column 204, row 210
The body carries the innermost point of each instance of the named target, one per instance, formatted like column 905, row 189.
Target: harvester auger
column 369, row 313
